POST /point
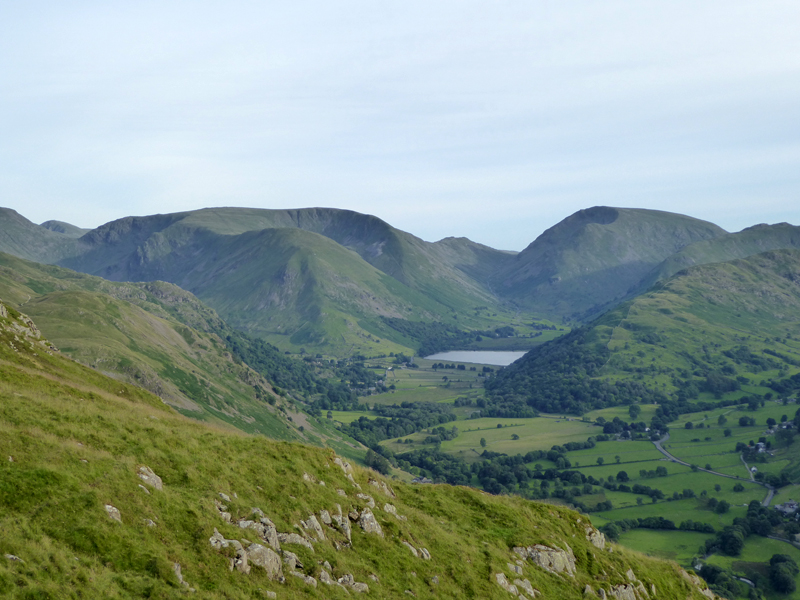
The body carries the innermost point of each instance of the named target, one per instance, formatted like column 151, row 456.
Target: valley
column 657, row 392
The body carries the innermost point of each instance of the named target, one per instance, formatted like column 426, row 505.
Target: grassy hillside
column 156, row 336
column 79, row 522
column 715, row 332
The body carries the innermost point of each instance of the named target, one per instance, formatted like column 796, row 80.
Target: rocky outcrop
column 597, row 539
column 267, row 559
column 349, row 582
column 342, row 523
column 307, row 578
column 312, row 525
column 113, row 513
column 554, row 560
column 368, row 499
column 147, row 475
column 501, row 580
column 369, row 523
column 623, row 591
column 381, row 486
column 293, row 538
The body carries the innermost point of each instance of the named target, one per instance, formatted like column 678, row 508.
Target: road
column 660, row 448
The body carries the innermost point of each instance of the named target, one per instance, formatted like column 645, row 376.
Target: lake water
column 480, row 357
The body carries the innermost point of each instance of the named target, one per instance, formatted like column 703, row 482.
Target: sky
column 492, row 120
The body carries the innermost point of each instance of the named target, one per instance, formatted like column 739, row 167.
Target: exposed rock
column 341, row 492
column 313, row 525
column 353, row 514
column 381, row 485
column 291, row 560
column 270, row 594
column 218, row 542
column 425, row 554
column 225, row 497
column 435, row 580
column 601, row 593
column 325, row 516
column 344, row 465
column 373, row 577
column 526, row 585
column 307, row 578
column 630, row 575
column 389, row 508
column 113, row 513
column 149, row 522
column 13, row 557
column 596, row 537
column 370, row 500
column 349, row 581
column 369, row 523
column 147, row 475
column 588, row 591
column 516, row 568
column 307, row 477
column 258, row 512
column 353, row 481
column 343, row 523
column 176, row 567
column 327, row 565
column 293, row 538
column 554, row 560
column 653, row 588
column 623, row 591
column 501, row 580
column 413, row 550
column 642, row 590
column 267, row 559
column 144, row 489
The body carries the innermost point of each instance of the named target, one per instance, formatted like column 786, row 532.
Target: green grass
column 77, row 439
column 679, row 546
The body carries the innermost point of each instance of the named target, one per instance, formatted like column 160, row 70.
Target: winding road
column 770, row 492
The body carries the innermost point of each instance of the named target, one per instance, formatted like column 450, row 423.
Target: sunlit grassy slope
column 154, row 335
column 73, row 440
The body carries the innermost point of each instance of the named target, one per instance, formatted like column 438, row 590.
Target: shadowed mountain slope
column 65, row 228
column 592, row 259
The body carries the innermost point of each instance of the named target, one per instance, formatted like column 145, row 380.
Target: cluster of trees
column 759, row 521
column 559, row 377
column 613, row 529
column 440, row 337
column 396, row 421
column 279, row 369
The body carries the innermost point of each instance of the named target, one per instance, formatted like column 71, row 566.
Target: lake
column 480, row 357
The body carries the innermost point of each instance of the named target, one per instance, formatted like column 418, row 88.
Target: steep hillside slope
column 153, row 335
column 151, row 504
column 591, row 260
column 715, row 332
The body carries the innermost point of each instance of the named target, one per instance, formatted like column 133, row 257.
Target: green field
column 680, row 546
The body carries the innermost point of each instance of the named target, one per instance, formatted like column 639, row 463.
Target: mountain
column 107, row 493
column 591, row 260
column 715, row 332
column 321, row 278
column 20, row 237
column 65, row 228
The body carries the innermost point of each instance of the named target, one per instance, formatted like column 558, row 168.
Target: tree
column 617, row 459
column 771, row 422
column 600, row 460
column 728, row 433
column 483, row 442
column 738, row 487
column 634, row 410
column 514, row 436
column 717, row 487
column 689, row 425
column 782, row 571
column 722, row 420
column 622, row 476
column 723, row 506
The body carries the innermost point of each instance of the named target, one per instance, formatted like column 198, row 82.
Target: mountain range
column 335, row 281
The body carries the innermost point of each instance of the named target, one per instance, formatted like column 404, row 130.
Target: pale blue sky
column 490, row 120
